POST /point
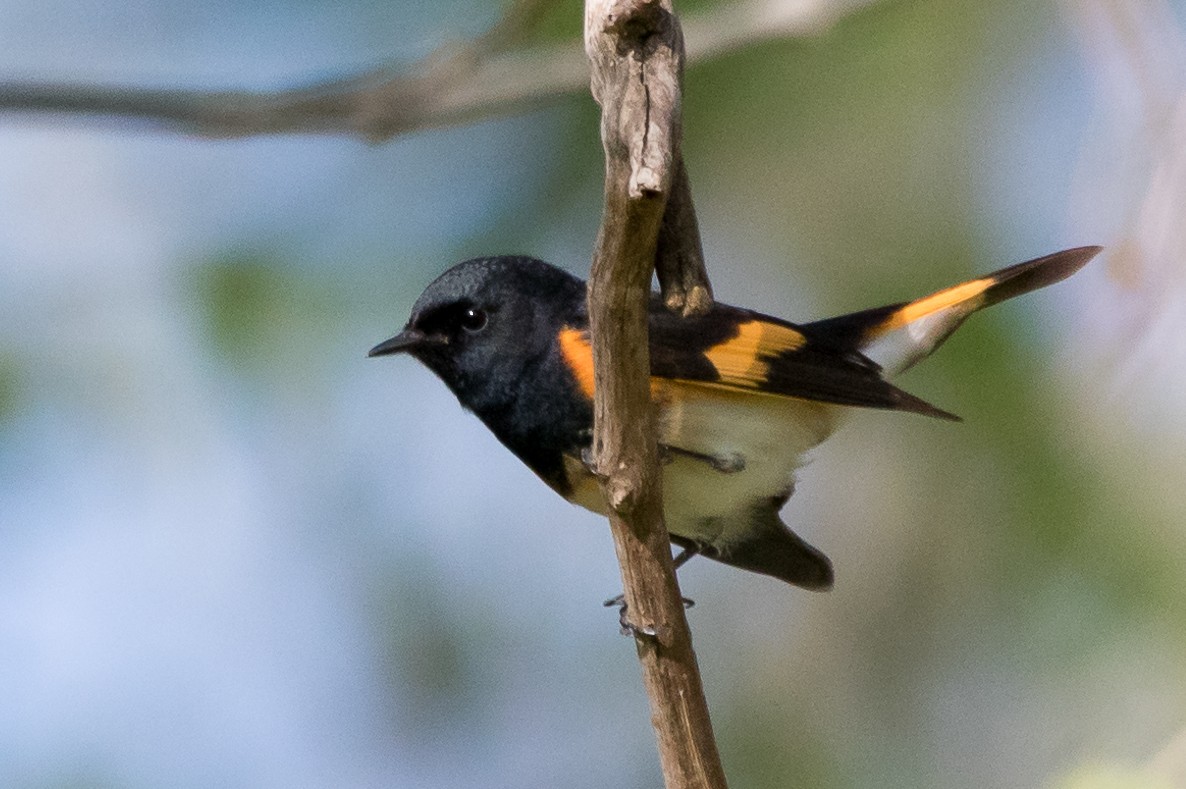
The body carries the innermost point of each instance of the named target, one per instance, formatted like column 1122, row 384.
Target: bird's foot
column 628, row 628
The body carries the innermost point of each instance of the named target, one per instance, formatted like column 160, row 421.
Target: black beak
column 407, row 340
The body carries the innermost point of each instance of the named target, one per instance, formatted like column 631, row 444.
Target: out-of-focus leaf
column 9, row 387
column 263, row 317
column 1106, row 776
column 767, row 750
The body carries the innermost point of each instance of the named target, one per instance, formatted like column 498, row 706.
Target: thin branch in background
column 491, row 75
column 1137, row 51
column 637, row 51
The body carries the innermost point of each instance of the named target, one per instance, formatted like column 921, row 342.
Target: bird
column 741, row 396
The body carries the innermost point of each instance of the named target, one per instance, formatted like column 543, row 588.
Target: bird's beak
column 407, row 340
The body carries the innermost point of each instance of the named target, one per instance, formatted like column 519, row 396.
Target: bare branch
column 488, row 76
column 680, row 256
column 636, row 50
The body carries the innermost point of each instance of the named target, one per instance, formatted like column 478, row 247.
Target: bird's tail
column 899, row 335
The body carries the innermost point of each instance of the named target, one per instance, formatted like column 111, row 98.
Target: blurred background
column 236, row 552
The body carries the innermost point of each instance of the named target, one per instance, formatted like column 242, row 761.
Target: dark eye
column 473, row 319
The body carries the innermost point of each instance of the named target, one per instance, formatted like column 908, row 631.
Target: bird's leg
column 681, row 558
column 728, row 463
column 625, row 625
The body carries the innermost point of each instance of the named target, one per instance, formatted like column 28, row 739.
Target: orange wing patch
column 740, row 360
column 578, row 356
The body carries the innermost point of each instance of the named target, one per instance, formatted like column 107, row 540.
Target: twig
column 636, row 49
column 491, row 75
column 679, row 258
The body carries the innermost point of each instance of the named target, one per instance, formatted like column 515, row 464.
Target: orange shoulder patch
column 578, row 357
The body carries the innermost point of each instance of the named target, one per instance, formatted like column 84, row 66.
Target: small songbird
column 741, row 396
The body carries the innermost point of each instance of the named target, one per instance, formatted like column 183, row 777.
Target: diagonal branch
column 636, row 49
column 492, row 75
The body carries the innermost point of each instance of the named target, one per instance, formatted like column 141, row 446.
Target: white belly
column 770, row 435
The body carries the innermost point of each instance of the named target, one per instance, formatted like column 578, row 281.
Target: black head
column 482, row 323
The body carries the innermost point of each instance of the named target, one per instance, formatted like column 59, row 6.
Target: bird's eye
column 473, row 319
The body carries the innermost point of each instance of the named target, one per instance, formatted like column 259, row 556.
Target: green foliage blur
column 849, row 170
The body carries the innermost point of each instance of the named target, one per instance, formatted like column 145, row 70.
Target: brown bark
column 636, row 49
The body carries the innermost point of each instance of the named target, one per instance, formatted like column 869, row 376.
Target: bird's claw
column 628, row 628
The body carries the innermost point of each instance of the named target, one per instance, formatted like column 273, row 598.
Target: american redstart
column 741, row 396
